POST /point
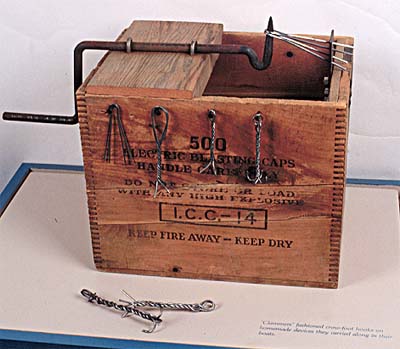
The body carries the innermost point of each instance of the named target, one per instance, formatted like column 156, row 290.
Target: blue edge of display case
column 72, row 340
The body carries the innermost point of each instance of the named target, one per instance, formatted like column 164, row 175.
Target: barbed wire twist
column 257, row 119
column 156, row 111
column 204, row 306
column 211, row 163
column 127, row 309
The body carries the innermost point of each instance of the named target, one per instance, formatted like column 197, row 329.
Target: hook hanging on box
column 257, row 120
column 126, row 148
column 157, row 111
column 211, row 163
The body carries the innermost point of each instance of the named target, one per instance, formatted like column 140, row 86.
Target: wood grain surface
column 293, row 73
column 297, row 139
column 225, row 260
column 159, row 74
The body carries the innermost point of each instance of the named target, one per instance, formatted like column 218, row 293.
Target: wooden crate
column 286, row 230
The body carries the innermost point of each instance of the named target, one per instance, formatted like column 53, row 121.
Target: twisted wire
column 257, row 119
column 194, row 307
column 127, row 309
column 258, row 145
column 156, row 111
column 107, row 149
column 126, row 148
column 211, row 163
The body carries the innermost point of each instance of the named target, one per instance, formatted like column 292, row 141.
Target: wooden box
column 285, row 230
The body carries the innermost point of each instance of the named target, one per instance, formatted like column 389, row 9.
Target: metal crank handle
column 129, row 46
column 41, row 118
column 78, row 77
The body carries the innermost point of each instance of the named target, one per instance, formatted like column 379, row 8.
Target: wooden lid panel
column 153, row 74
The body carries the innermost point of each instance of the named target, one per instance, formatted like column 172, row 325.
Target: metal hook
column 152, row 329
column 156, row 111
column 211, row 116
column 126, row 148
column 207, row 305
column 257, row 119
column 107, row 149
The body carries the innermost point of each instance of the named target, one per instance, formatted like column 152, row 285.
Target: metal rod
column 344, row 52
column 299, row 45
column 309, row 38
column 340, row 59
column 308, row 41
column 343, row 45
column 288, row 39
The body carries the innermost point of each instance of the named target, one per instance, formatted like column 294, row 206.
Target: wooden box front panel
column 285, row 231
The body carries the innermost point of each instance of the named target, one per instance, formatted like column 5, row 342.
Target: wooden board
column 159, row 74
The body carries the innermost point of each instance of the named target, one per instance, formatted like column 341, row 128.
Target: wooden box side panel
column 339, row 178
column 87, row 143
column 121, row 222
column 339, row 174
column 221, row 253
column 340, row 93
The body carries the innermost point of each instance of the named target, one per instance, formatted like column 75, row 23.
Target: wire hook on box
column 257, row 120
column 114, row 114
column 157, row 111
column 211, row 163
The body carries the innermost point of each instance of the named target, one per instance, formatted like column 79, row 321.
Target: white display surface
column 46, row 259
column 37, row 40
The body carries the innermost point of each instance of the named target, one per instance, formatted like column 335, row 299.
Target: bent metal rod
column 130, row 46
